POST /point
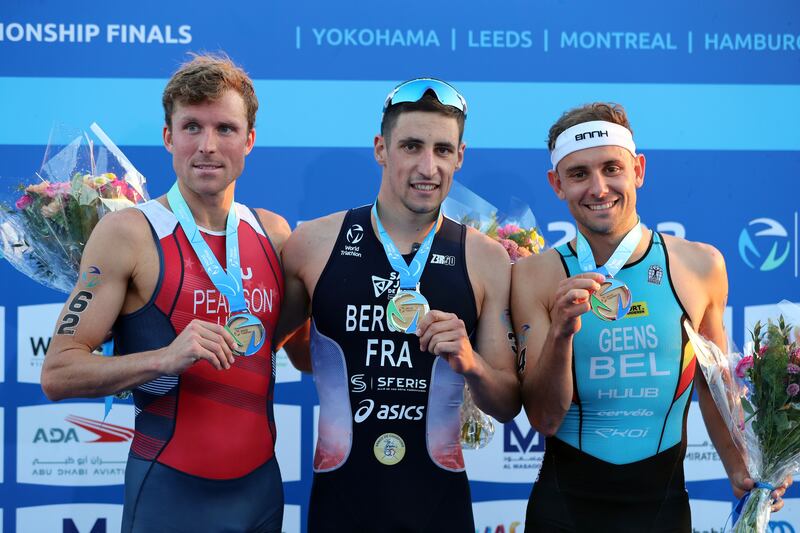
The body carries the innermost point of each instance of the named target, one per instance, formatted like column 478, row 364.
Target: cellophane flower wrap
column 758, row 395
column 46, row 221
column 520, row 236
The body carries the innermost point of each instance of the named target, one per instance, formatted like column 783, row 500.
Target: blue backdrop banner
column 711, row 88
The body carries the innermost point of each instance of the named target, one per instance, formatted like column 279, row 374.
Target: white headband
column 589, row 135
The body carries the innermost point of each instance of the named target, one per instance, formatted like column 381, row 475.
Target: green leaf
column 748, row 407
column 781, row 421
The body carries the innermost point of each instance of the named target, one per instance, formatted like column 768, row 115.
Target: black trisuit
column 388, row 454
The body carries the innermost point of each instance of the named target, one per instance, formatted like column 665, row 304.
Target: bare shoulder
column 698, row 257
column 485, row 252
column 277, row 228
column 127, row 225
column 312, row 241
column 319, row 231
column 546, row 269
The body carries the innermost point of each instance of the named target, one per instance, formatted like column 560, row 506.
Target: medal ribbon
column 227, row 283
column 409, row 273
column 617, row 259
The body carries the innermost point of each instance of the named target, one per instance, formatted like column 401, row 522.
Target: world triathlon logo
column 764, row 244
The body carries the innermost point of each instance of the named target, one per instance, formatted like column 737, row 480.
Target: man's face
column 599, row 185
column 419, row 157
column 208, row 143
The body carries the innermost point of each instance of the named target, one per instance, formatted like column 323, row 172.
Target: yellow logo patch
column 638, row 309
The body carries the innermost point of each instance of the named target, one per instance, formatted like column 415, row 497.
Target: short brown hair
column 609, row 112
column 429, row 103
column 205, row 78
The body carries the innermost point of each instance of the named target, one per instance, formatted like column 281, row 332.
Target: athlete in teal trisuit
column 610, row 372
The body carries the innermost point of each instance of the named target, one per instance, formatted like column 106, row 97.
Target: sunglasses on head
column 413, row 90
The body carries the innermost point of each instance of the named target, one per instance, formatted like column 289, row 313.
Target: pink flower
column 512, row 248
column 792, row 368
column 762, row 350
column 509, row 229
column 744, row 365
column 24, row 201
column 793, row 389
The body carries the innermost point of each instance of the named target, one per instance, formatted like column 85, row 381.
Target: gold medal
column 389, row 449
column 612, row 301
column 248, row 332
column 405, row 311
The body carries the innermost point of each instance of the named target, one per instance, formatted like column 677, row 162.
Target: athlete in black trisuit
column 390, row 376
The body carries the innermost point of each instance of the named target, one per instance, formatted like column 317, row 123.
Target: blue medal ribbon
column 411, row 273
column 617, row 259
column 227, row 283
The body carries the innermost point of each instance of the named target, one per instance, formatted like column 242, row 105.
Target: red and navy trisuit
column 202, row 458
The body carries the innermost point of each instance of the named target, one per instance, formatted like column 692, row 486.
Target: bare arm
column 546, row 322
column 709, row 266
column 490, row 371
column 293, row 328
column 304, row 256
column 70, row 368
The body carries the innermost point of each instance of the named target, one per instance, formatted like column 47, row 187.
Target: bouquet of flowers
column 520, row 236
column 517, row 231
column 45, row 225
column 758, row 396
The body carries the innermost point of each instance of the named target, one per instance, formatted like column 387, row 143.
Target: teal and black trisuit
column 616, row 462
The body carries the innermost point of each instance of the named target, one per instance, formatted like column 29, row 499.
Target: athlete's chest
column 185, row 276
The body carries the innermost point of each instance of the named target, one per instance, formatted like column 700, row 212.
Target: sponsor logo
column 617, row 394
column 363, row 412
column 517, row 441
column 354, row 234
column 382, row 285
column 447, row 260
column 389, row 449
column 637, row 412
column 357, row 382
column 104, row 432
column 638, row 309
column 387, row 383
column 764, row 244
column 388, row 411
column 654, row 274
column 392, row 383
column 630, row 433
column 591, row 135
column 514, row 455
column 66, row 445
column 34, row 330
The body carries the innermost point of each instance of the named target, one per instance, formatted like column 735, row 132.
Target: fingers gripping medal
column 246, row 329
column 613, row 300
column 408, row 306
